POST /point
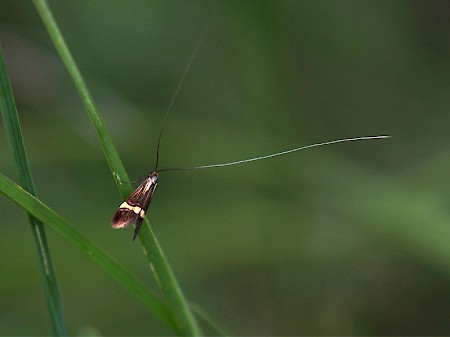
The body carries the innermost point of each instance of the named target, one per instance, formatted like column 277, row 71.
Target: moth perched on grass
column 135, row 207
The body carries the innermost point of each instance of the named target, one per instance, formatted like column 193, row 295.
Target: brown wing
column 140, row 196
column 123, row 218
column 135, row 207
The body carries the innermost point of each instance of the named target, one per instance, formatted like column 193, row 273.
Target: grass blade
column 181, row 314
column 17, row 148
column 213, row 324
column 95, row 253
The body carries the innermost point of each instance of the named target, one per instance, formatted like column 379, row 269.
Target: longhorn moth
column 134, row 209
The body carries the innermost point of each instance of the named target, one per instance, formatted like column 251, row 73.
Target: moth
column 135, row 207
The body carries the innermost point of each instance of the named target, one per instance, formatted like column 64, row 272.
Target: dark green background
column 351, row 239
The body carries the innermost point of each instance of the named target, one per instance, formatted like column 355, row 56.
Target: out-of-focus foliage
column 346, row 240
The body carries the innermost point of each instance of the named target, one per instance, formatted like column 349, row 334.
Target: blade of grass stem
column 204, row 316
column 170, row 289
column 17, row 148
column 95, row 253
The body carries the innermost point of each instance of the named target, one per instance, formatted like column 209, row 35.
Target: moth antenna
column 183, row 77
column 276, row 154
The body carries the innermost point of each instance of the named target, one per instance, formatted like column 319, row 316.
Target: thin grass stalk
column 40, row 211
column 182, row 317
column 17, row 148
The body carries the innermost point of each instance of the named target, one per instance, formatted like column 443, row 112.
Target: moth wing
column 125, row 215
column 138, row 227
column 135, row 207
column 144, row 199
column 123, row 218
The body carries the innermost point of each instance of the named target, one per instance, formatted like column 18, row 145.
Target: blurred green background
column 352, row 239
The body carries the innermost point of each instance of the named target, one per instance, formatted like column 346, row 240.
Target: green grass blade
column 214, row 325
column 17, row 148
column 181, row 314
column 95, row 253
